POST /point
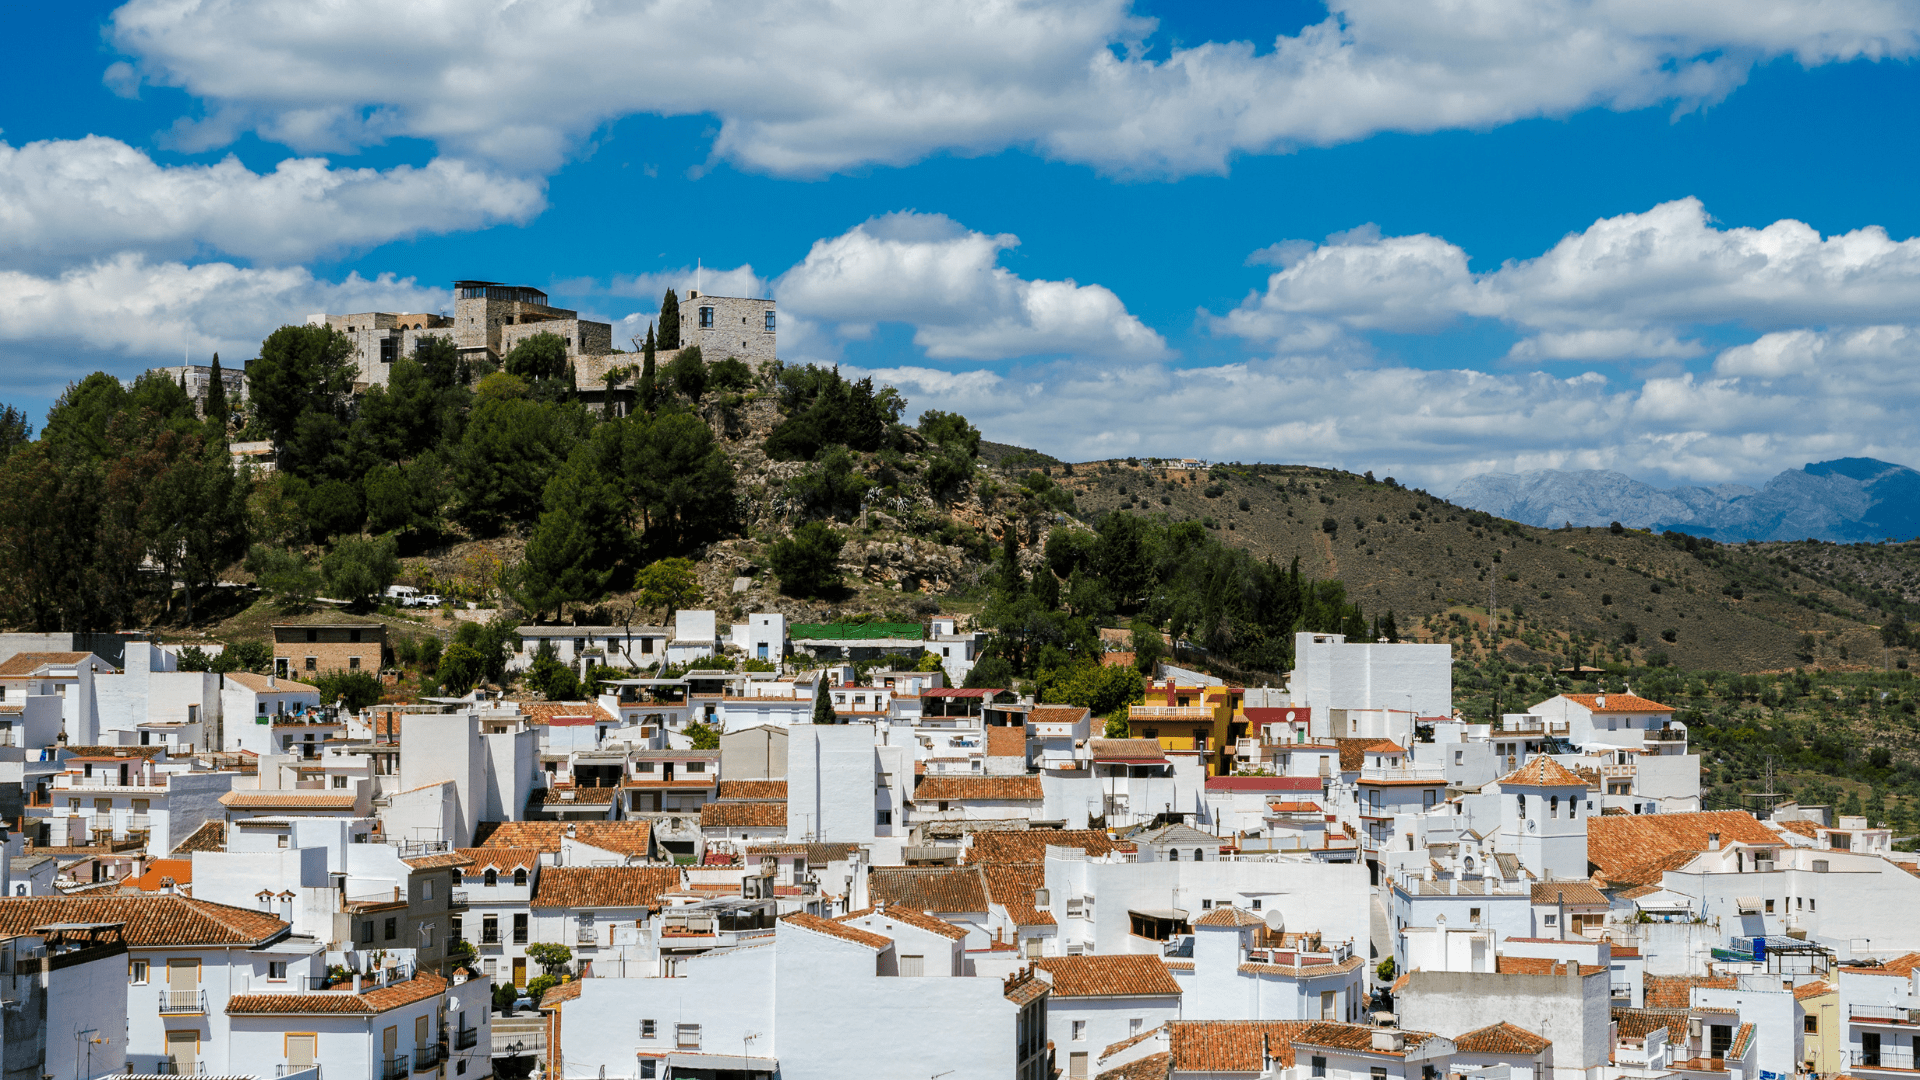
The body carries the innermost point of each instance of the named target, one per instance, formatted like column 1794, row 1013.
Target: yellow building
column 1202, row 720
column 1821, row 1027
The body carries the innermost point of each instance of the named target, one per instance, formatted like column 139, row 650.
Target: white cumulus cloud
column 805, row 88
column 1627, row 287
column 66, row 201
column 945, row 280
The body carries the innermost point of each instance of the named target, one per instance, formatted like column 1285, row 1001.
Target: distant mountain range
column 1847, row 500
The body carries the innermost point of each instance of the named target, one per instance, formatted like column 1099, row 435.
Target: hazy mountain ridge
column 1846, row 500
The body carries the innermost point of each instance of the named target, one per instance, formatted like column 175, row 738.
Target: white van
column 403, row 595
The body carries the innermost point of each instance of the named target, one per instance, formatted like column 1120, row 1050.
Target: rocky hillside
column 1564, row 595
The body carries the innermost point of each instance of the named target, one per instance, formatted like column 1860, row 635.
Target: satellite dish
column 1275, row 921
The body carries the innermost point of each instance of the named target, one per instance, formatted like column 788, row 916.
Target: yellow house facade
column 1203, row 720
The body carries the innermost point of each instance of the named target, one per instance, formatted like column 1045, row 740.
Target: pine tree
column 823, row 704
column 217, row 399
column 646, row 371
column 670, row 321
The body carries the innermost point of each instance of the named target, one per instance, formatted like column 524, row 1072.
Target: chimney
column 356, row 982
column 1713, row 841
column 271, row 683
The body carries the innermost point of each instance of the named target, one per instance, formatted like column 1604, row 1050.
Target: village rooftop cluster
column 888, row 876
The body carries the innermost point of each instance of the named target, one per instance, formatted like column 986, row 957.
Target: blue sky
column 1567, row 234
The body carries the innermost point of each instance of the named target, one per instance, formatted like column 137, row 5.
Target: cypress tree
column 646, row 370
column 670, row 321
column 217, row 398
column 823, row 704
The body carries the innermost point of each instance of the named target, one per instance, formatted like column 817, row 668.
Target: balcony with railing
column 1169, row 713
column 466, row 1038
column 428, row 1057
column 183, row 1002
column 1888, row 1056
column 1405, row 774
column 1883, row 1014
column 457, row 898
column 394, row 1068
column 1670, row 734
column 170, row 1067
column 585, row 936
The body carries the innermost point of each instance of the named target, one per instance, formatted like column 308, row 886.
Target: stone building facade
column 724, row 326
column 198, row 379
column 488, row 320
column 381, row 337
column 302, row 649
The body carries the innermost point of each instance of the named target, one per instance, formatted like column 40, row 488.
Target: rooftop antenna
column 697, row 269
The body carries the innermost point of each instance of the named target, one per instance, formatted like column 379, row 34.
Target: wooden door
column 519, row 971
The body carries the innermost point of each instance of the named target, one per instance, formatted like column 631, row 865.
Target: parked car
column 429, row 600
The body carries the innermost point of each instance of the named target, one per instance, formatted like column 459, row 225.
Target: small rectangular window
column 687, row 1036
column 313, row 663
column 353, row 663
column 706, row 318
column 1812, row 1024
column 1319, row 1065
column 649, row 1030
column 137, row 972
column 647, row 1069
column 276, row 971
column 769, row 322
column 392, row 929
column 1079, row 1031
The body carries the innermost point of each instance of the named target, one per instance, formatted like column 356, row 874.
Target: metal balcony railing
column 183, row 1002
column 489, row 937
column 426, row 1057
column 585, row 937
column 284, row 1069
column 1883, row 1014
column 1668, row 735
column 394, row 1068
column 466, row 1038
column 457, row 898
column 1886, row 1057
column 170, row 1067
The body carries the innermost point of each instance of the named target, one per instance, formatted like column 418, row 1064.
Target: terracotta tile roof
column 1617, row 703
column 1353, row 752
column 1232, row 1046
column 1025, row 989
column 1802, row 828
column 258, row 683
column 1540, row 965
column 334, row 1002
column 753, row 789
column 481, row 859
column 543, row 712
column 1228, row 916
column 1902, row 966
column 1012, row 885
column 439, row 861
column 623, row 837
column 1294, row 807
column 817, row 854
column 557, row 996
column 1812, row 990
column 1153, row 1066
column 1614, row 843
column 1114, row 975
column 1132, row 1040
column 1639, row 1023
column 603, row 886
column 210, row 836
column 285, row 800
column 1650, row 872
column 933, row 888
column 163, row 920
column 901, row 913
column 1742, row 1039
column 837, row 930
column 27, row 663
column 744, row 815
column 1355, row 1037
column 1501, row 1038
column 1566, row 892
column 1676, row 991
column 1542, row 771
column 1005, row 741
column 1030, row 845
column 1056, row 714
column 1132, row 749
column 973, row 788
column 566, row 794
